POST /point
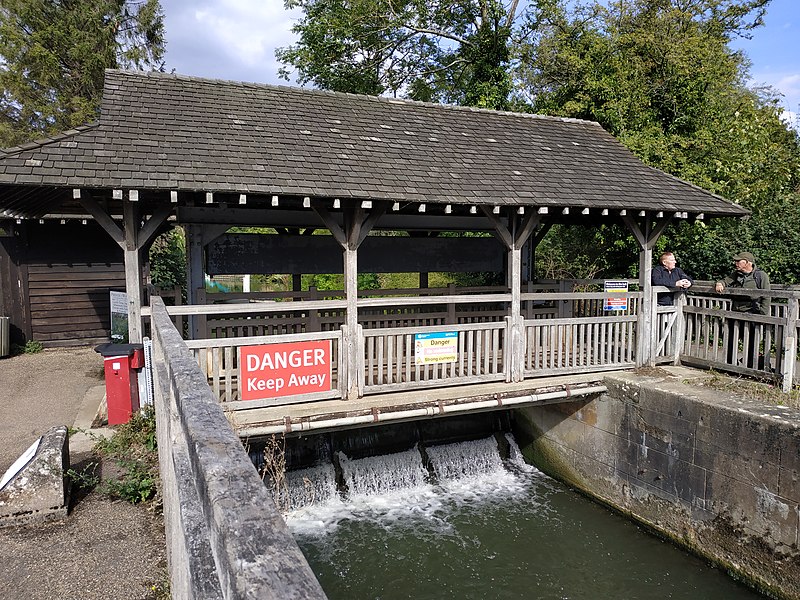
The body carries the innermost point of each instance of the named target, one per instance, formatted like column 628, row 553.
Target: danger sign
column 290, row 369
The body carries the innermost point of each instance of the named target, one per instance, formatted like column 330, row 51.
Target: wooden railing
column 389, row 358
column 218, row 359
column 584, row 338
column 599, row 341
column 763, row 346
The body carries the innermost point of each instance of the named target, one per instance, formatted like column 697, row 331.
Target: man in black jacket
column 667, row 274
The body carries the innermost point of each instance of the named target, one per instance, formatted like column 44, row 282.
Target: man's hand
column 683, row 283
column 719, row 287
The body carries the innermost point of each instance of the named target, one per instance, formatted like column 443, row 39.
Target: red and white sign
column 290, row 369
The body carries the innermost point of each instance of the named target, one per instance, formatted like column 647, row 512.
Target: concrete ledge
column 712, row 471
column 225, row 538
column 40, row 490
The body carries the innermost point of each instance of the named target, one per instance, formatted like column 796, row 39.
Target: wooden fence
column 218, row 359
column 389, row 358
column 557, row 332
column 763, row 346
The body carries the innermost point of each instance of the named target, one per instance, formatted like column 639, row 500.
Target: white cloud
column 227, row 39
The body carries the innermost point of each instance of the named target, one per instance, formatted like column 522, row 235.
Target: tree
column 659, row 75
column 453, row 51
column 53, row 55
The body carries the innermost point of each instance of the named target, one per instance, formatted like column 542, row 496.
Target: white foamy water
column 395, row 489
column 314, row 485
column 377, row 475
column 465, row 459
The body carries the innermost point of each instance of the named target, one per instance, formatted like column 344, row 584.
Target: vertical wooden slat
column 381, row 377
column 228, row 360
column 496, row 348
column 370, row 359
column 409, row 348
column 390, row 345
column 215, row 370
column 461, row 336
column 470, row 352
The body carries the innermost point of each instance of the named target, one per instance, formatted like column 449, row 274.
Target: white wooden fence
column 218, row 359
column 763, row 346
column 389, row 358
column 559, row 332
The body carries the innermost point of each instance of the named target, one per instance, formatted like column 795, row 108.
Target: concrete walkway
column 104, row 549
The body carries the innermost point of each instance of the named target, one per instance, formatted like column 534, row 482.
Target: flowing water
column 480, row 527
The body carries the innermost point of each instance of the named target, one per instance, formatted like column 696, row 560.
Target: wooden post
column 133, row 270
column 679, row 328
column 646, row 321
column 515, row 272
column 357, row 224
column 514, row 240
column 195, row 277
column 646, row 236
column 351, row 320
column 452, row 316
column 790, row 343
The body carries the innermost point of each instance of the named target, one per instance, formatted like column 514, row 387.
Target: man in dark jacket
column 746, row 276
column 667, row 274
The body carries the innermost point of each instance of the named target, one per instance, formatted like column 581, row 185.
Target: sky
column 236, row 40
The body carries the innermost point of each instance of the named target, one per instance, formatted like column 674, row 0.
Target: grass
column 752, row 390
column 133, row 452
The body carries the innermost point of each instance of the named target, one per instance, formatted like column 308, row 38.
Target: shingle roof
column 171, row 132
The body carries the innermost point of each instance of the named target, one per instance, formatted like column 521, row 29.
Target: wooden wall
column 66, row 272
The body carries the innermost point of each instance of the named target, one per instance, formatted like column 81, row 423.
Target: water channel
column 480, row 527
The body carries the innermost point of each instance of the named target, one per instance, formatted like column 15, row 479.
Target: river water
column 480, row 527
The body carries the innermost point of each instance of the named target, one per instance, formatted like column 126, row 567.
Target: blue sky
column 236, row 39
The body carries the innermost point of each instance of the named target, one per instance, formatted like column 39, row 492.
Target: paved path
column 40, row 391
column 104, row 549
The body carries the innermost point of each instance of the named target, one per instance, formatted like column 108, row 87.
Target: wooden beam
column 529, row 224
column 503, row 234
column 156, row 220
column 376, row 213
column 330, row 223
column 208, row 233
column 133, row 270
column 537, row 237
column 103, row 219
column 354, row 221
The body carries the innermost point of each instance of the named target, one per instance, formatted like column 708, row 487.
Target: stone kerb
column 40, row 490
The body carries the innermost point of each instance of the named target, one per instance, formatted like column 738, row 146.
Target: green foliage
column 660, row 76
column 29, row 347
column 335, row 281
column 133, row 447
column 168, row 260
column 53, row 55
column 456, row 51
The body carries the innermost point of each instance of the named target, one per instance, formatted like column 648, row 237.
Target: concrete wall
column 225, row 538
column 717, row 474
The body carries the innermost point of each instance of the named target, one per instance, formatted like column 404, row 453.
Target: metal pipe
column 429, row 411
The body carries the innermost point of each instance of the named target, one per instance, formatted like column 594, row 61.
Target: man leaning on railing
column 666, row 273
column 745, row 276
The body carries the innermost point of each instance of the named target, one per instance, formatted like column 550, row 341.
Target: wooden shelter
column 211, row 154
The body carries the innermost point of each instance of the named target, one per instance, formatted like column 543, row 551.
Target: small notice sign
column 611, row 288
column 440, row 347
column 289, row 369
column 119, row 316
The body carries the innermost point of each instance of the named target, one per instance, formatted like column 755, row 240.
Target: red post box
column 122, row 388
